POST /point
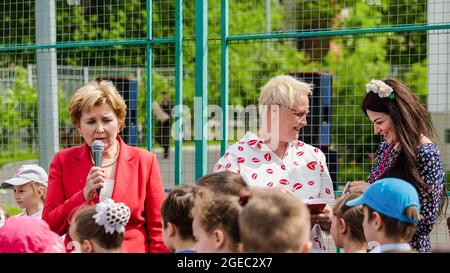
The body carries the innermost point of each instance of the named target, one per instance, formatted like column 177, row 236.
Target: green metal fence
column 213, row 57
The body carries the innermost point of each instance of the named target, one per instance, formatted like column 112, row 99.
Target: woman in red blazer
column 127, row 174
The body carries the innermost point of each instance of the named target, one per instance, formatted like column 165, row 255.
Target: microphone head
column 98, row 145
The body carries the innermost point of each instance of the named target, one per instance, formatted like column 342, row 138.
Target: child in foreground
column 100, row 229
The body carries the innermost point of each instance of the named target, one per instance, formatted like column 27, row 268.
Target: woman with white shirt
column 274, row 157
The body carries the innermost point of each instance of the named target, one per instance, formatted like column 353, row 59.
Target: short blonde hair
column 274, row 221
column 95, row 94
column 38, row 188
column 283, row 90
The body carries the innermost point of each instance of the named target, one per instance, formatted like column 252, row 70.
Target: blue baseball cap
column 390, row 197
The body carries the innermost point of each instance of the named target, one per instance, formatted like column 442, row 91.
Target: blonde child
column 30, row 186
column 177, row 219
column 215, row 222
column 274, row 221
column 346, row 225
column 100, row 229
column 391, row 212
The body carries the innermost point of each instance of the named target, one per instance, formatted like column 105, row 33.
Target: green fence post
column 148, row 66
column 201, row 88
column 179, row 91
column 224, row 74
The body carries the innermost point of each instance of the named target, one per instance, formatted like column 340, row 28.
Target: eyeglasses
column 299, row 114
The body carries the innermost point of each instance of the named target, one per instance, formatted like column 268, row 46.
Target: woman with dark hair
column 407, row 152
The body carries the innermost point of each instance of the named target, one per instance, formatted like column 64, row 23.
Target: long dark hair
column 411, row 120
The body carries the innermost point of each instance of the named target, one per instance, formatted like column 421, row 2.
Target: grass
column 9, row 157
column 11, row 210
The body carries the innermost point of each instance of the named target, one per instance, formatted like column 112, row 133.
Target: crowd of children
column 219, row 214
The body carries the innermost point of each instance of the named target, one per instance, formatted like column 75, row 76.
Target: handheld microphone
column 97, row 151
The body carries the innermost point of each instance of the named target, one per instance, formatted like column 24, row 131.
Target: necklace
column 116, row 156
column 380, row 168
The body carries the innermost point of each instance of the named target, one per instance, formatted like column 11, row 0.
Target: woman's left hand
column 323, row 219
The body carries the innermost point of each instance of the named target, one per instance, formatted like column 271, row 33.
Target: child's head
column 100, row 228
column 215, row 222
column 391, row 210
column 176, row 215
column 225, row 182
column 274, row 221
column 29, row 235
column 30, row 186
column 346, row 222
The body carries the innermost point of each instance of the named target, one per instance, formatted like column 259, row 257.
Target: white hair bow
column 113, row 216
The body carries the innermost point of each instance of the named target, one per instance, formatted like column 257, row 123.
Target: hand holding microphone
column 97, row 151
column 96, row 176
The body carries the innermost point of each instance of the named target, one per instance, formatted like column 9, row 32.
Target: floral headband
column 381, row 88
column 113, row 216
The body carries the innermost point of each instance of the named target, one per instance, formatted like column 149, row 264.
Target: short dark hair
column 218, row 211
column 176, row 209
column 224, row 182
column 397, row 229
column 87, row 229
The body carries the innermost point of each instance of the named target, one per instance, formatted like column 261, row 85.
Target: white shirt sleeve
column 228, row 162
column 326, row 185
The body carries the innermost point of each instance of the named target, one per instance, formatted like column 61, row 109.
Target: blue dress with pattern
column 432, row 173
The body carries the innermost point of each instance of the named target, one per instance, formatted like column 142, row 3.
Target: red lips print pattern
column 311, row 165
column 284, row 182
column 252, row 142
column 255, row 162
column 297, row 186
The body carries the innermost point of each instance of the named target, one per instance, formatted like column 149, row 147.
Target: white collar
column 253, row 139
column 37, row 214
column 389, row 247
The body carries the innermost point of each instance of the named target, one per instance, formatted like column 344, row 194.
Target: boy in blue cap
column 391, row 212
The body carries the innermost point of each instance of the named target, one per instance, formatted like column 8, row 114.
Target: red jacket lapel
column 125, row 170
column 84, row 164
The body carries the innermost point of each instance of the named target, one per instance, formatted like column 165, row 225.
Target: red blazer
column 137, row 183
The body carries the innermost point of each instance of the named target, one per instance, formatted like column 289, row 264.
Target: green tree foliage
column 18, row 110
column 251, row 63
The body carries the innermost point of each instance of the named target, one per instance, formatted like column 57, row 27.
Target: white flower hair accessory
column 381, row 88
column 113, row 216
